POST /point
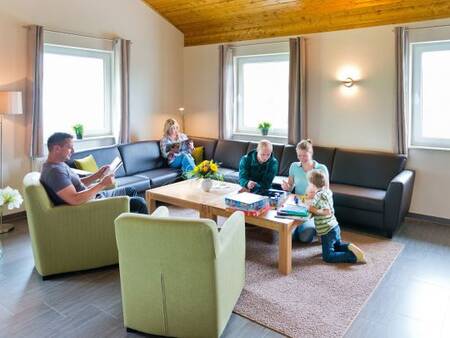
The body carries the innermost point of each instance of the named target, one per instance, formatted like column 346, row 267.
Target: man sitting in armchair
column 64, row 186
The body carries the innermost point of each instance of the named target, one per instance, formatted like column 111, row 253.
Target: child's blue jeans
column 334, row 250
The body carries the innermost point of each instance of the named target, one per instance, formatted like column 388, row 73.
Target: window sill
column 93, row 142
column 259, row 137
column 428, row 148
column 93, row 138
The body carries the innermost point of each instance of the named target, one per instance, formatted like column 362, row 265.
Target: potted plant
column 264, row 127
column 79, row 130
column 11, row 199
column 208, row 171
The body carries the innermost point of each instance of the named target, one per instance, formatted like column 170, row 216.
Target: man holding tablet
column 66, row 187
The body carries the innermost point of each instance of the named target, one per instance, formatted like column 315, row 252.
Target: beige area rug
column 317, row 299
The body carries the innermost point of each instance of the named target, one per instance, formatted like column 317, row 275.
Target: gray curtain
column 402, row 77
column 35, row 65
column 122, row 62
column 297, row 90
column 225, row 91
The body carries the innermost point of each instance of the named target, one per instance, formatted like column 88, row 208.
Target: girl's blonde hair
column 169, row 124
column 305, row 145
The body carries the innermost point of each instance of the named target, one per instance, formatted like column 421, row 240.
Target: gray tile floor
column 413, row 300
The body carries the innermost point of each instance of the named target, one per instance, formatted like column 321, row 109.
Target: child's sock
column 360, row 257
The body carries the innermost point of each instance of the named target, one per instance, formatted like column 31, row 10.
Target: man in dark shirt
column 66, row 187
column 258, row 168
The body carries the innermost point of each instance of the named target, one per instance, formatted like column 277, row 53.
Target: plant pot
column 265, row 131
column 79, row 136
column 206, row 184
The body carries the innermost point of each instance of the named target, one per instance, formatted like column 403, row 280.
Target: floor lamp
column 10, row 104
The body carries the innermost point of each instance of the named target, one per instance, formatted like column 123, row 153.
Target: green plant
column 79, row 130
column 264, row 125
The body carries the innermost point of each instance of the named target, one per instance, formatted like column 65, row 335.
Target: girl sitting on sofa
column 176, row 147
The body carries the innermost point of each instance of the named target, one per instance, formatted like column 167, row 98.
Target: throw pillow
column 88, row 163
column 197, row 154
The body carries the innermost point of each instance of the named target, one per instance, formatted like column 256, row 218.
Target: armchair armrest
column 232, row 235
column 398, row 199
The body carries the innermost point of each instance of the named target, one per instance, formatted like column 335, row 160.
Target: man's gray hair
column 264, row 144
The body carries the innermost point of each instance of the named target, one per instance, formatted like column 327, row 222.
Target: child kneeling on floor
column 334, row 250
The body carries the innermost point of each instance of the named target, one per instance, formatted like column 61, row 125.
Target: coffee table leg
column 151, row 204
column 285, row 250
column 205, row 212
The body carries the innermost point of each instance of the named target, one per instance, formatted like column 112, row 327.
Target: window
column 262, row 93
column 430, row 99
column 77, row 88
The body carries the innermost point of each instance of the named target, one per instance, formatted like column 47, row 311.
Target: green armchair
column 70, row 238
column 180, row 277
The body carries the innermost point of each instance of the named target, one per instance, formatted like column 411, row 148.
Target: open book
column 115, row 164
column 177, row 145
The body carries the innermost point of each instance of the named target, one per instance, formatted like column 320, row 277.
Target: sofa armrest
column 398, row 200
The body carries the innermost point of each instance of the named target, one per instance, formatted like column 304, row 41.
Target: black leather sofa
column 370, row 189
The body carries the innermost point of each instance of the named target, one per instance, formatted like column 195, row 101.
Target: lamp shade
column 11, row 103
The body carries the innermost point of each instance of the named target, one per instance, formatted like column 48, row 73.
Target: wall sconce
column 348, row 82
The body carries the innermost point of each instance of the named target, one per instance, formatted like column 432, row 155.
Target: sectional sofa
column 371, row 189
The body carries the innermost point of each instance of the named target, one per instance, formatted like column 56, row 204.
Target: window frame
column 107, row 57
column 416, row 139
column 238, row 130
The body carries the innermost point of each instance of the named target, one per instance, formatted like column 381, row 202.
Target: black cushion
column 287, row 158
column 325, row 156
column 358, row 197
column 277, row 150
column 102, row 156
column 209, row 145
column 141, row 156
column 162, row 176
column 366, row 169
column 232, row 177
column 140, row 183
column 229, row 153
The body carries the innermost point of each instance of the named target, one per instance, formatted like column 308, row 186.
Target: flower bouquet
column 10, row 198
column 208, row 170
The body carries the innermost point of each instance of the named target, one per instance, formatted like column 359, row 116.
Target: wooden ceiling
column 216, row 21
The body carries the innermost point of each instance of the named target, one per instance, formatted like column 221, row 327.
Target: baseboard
column 432, row 219
column 18, row 216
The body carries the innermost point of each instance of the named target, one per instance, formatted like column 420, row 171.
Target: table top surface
column 190, row 191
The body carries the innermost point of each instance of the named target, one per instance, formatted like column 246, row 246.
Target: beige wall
column 156, row 61
column 364, row 120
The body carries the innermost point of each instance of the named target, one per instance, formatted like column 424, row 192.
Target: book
column 293, row 210
column 179, row 145
column 246, row 201
column 252, row 212
column 115, row 164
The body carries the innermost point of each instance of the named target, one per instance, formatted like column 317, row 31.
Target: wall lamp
column 348, row 82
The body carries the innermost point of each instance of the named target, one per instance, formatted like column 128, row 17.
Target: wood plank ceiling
column 216, row 21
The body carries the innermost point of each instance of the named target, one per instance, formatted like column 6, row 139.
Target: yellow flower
column 213, row 167
column 196, row 169
column 205, row 169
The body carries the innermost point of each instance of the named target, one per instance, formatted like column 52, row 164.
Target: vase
column 265, row 131
column 79, row 136
column 206, row 184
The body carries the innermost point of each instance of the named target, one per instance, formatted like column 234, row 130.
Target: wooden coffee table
column 188, row 194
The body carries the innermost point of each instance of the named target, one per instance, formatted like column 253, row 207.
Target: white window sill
column 259, row 137
column 93, row 142
column 428, row 148
column 92, row 138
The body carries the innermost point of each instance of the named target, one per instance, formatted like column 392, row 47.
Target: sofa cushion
column 288, row 156
column 208, row 144
column 102, row 156
column 162, row 176
column 325, row 156
column 140, row 183
column 366, row 168
column 358, row 197
column 229, row 153
column 197, row 154
column 277, row 150
column 232, row 177
column 141, row 156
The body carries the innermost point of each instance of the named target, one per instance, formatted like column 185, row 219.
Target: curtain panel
column 122, row 89
column 226, row 88
column 297, row 90
column 402, row 86
column 35, row 65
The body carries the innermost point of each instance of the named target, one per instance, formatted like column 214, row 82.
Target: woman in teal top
column 298, row 181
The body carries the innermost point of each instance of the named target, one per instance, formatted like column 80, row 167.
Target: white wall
column 156, row 62
column 363, row 120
